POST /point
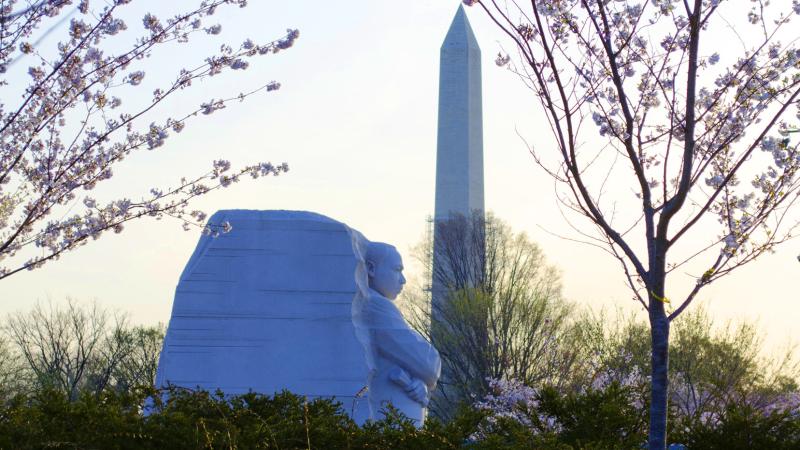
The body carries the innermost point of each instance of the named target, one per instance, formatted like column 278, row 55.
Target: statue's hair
column 377, row 251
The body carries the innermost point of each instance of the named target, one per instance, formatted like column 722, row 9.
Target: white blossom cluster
column 513, row 400
column 706, row 403
column 785, row 403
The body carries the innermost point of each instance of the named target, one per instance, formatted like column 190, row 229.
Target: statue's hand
column 418, row 392
column 400, row 376
column 414, row 387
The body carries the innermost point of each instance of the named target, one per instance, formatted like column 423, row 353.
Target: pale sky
column 355, row 120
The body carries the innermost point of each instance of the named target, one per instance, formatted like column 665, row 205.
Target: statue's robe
column 393, row 343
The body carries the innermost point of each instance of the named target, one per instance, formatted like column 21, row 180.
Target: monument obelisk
column 458, row 257
column 459, row 147
column 459, row 157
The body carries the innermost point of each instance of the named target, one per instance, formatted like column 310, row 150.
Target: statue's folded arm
column 410, row 351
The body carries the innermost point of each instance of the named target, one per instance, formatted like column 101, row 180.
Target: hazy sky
column 356, row 121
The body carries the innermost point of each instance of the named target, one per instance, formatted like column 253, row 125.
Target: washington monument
column 458, row 245
column 459, row 164
column 459, row 149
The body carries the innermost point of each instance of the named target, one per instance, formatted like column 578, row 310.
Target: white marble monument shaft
column 459, row 153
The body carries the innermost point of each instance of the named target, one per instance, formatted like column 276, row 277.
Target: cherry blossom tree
column 71, row 127
column 679, row 110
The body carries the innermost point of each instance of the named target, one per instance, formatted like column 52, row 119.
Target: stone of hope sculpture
column 295, row 300
column 404, row 367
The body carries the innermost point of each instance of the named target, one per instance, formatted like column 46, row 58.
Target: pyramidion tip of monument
column 460, row 33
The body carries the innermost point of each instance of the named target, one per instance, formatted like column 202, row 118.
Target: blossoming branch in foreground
column 46, row 161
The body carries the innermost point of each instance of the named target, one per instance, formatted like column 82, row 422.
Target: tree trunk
column 659, row 358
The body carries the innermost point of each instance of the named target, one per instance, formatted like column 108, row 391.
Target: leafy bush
column 597, row 418
column 744, row 427
column 603, row 417
column 184, row 419
column 612, row 416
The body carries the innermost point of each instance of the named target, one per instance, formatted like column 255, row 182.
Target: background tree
column 11, row 370
column 711, row 366
column 140, row 364
column 703, row 136
column 82, row 348
column 70, row 127
column 62, row 347
column 505, row 319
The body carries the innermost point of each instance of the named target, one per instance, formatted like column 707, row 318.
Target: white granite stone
column 268, row 307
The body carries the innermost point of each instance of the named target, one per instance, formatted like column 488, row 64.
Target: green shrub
column 742, row 427
column 184, row 419
column 596, row 418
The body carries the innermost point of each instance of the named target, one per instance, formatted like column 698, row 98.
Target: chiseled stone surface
column 269, row 306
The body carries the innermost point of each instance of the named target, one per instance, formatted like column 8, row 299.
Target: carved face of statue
column 386, row 275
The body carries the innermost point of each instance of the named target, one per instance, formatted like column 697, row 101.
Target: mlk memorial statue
column 298, row 301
